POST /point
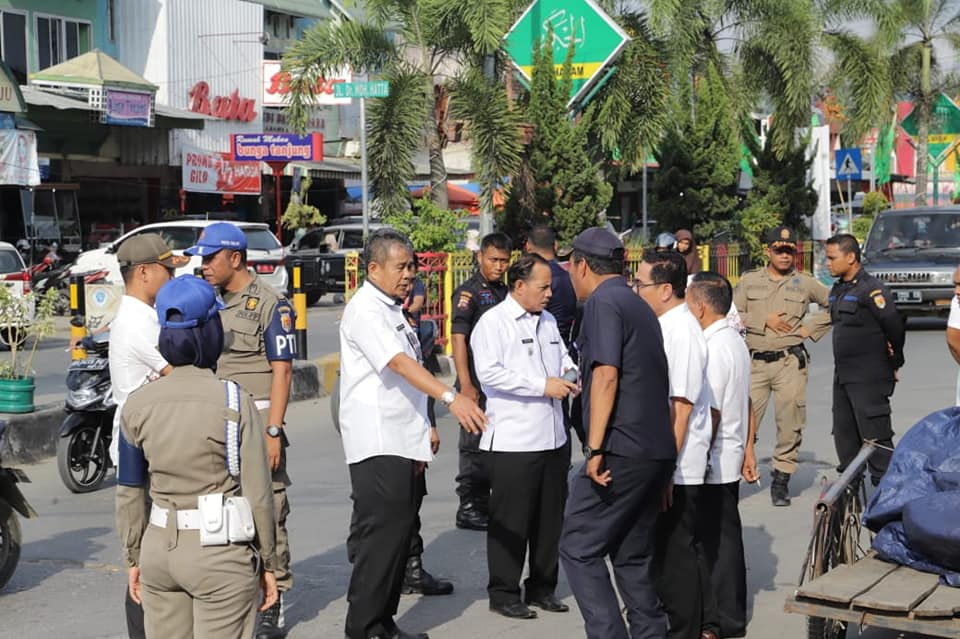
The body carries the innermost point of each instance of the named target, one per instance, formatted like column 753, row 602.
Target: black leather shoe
column 417, row 581
column 780, row 488
column 514, row 610
column 549, row 603
column 271, row 622
column 469, row 517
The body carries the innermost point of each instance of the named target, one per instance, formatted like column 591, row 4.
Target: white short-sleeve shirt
column 728, row 372
column 134, row 358
column 514, row 352
column 954, row 322
column 381, row 413
column 686, row 351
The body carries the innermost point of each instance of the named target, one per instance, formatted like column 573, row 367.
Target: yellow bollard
column 300, row 307
column 78, row 327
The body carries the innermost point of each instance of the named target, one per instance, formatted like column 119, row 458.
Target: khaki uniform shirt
column 178, row 422
column 258, row 326
column 758, row 295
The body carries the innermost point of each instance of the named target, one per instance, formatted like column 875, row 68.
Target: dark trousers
column 616, row 521
column 721, row 537
column 683, row 580
column 528, row 492
column 134, row 617
column 384, row 507
column 416, row 540
column 473, row 478
column 861, row 411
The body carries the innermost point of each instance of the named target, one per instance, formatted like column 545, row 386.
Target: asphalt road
column 70, row 582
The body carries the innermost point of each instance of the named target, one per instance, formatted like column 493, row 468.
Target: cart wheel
column 820, row 628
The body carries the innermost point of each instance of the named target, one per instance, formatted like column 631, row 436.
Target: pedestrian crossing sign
column 849, row 165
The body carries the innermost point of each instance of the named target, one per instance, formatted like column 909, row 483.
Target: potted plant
column 24, row 321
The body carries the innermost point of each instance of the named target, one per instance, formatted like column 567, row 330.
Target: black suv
column 915, row 252
column 322, row 253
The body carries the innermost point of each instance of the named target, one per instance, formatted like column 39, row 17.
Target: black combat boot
column 271, row 622
column 417, row 581
column 780, row 489
column 470, row 517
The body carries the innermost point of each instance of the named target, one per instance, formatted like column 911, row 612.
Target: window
column 259, row 239
column 13, row 43
column 111, row 22
column 352, row 240
column 59, row 39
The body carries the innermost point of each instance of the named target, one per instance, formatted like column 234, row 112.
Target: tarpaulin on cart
column 915, row 511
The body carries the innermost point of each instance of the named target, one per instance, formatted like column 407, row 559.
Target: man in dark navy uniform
column 471, row 300
column 615, row 496
column 868, row 338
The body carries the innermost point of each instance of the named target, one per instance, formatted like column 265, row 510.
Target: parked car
column 915, row 252
column 264, row 252
column 322, row 252
column 16, row 277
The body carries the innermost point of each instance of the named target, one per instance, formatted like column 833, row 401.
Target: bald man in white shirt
column 520, row 358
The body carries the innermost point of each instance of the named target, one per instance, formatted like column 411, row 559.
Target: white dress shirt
column 728, row 372
column 514, row 352
column 381, row 413
column 134, row 358
column 954, row 322
column 686, row 350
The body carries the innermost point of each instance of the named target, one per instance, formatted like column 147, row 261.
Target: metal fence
column 442, row 273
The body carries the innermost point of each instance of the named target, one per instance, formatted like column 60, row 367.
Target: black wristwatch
column 273, row 430
column 592, row 452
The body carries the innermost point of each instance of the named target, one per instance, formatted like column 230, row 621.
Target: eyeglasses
column 637, row 284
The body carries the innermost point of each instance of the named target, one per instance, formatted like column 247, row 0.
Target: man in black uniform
column 631, row 449
column 868, row 337
column 472, row 299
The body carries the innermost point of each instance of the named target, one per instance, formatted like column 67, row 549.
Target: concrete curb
column 32, row 437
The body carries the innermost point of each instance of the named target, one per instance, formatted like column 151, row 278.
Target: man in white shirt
column 385, row 431
column 146, row 264
column 953, row 327
column 520, row 357
column 731, row 454
column 682, row 578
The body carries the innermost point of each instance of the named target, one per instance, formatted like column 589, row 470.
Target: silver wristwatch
column 448, row 397
column 273, row 430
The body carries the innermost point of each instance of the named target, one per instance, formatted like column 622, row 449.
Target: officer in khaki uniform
column 258, row 354
column 175, row 428
column 773, row 302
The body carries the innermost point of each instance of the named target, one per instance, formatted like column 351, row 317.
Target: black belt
column 768, row 356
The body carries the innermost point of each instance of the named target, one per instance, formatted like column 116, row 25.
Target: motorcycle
column 56, row 275
column 84, row 442
column 11, row 503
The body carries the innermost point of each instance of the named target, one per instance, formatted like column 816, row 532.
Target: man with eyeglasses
column 774, row 302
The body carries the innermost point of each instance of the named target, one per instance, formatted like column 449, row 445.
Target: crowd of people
column 663, row 376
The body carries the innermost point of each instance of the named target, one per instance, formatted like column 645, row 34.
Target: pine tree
column 558, row 184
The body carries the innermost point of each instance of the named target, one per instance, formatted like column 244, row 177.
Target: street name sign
column 596, row 38
column 849, row 165
column 944, row 128
column 375, row 89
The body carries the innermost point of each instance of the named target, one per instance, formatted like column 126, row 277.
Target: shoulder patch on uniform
column 879, row 301
column 252, row 303
column 464, row 301
column 876, row 292
column 286, row 318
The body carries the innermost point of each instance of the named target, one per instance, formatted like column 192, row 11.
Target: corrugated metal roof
column 36, row 97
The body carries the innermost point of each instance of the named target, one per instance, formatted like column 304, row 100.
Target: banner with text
column 18, row 158
column 212, row 172
column 277, row 147
column 276, row 85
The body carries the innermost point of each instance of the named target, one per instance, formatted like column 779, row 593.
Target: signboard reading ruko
column 126, row 108
column 276, row 85
column 596, row 38
column 277, row 147
column 212, row 172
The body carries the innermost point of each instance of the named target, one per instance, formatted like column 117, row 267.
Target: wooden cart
column 842, row 585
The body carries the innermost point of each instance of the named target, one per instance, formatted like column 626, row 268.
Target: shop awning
column 93, row 68
column 167, row 117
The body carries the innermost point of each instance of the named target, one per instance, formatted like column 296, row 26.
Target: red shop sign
column 226, row 107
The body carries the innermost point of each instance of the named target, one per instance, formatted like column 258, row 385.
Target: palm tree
column 431, row 65
column 899, row 59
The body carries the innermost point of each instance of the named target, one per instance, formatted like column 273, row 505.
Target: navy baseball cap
column 189, row 297
column 599, row 242
column 781, row 236
column 219, row 236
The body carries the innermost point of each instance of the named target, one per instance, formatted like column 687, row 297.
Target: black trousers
column 134, row 612
column 529, row 490
column 384, row 508
column 615, row 521
column 721, row 537
column 416, row 540
column 683, row 580
column 861, row 411
column 473, row 478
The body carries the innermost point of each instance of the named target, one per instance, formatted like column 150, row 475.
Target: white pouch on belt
column 213, row 521
column 240, row 526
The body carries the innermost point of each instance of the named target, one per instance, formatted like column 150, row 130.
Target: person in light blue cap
column 195, row 442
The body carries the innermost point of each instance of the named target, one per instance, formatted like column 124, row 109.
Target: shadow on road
column 74, row 549
column 761, row 563
column 318, row 581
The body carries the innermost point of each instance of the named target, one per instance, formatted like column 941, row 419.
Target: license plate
column 908, row 297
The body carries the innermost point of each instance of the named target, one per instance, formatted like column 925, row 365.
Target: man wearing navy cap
column 258, row 354
column 630, row 452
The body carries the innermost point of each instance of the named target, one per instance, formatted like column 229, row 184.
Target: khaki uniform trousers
column 190, row 591
column 281, row 509
column 789, row 385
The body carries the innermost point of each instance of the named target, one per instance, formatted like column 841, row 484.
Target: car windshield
column 10, row 261
column 260, row 239
column 891, row 233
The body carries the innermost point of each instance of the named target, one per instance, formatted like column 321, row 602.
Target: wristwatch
column 448, row 397
column 592, row 452
column 273, row 430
